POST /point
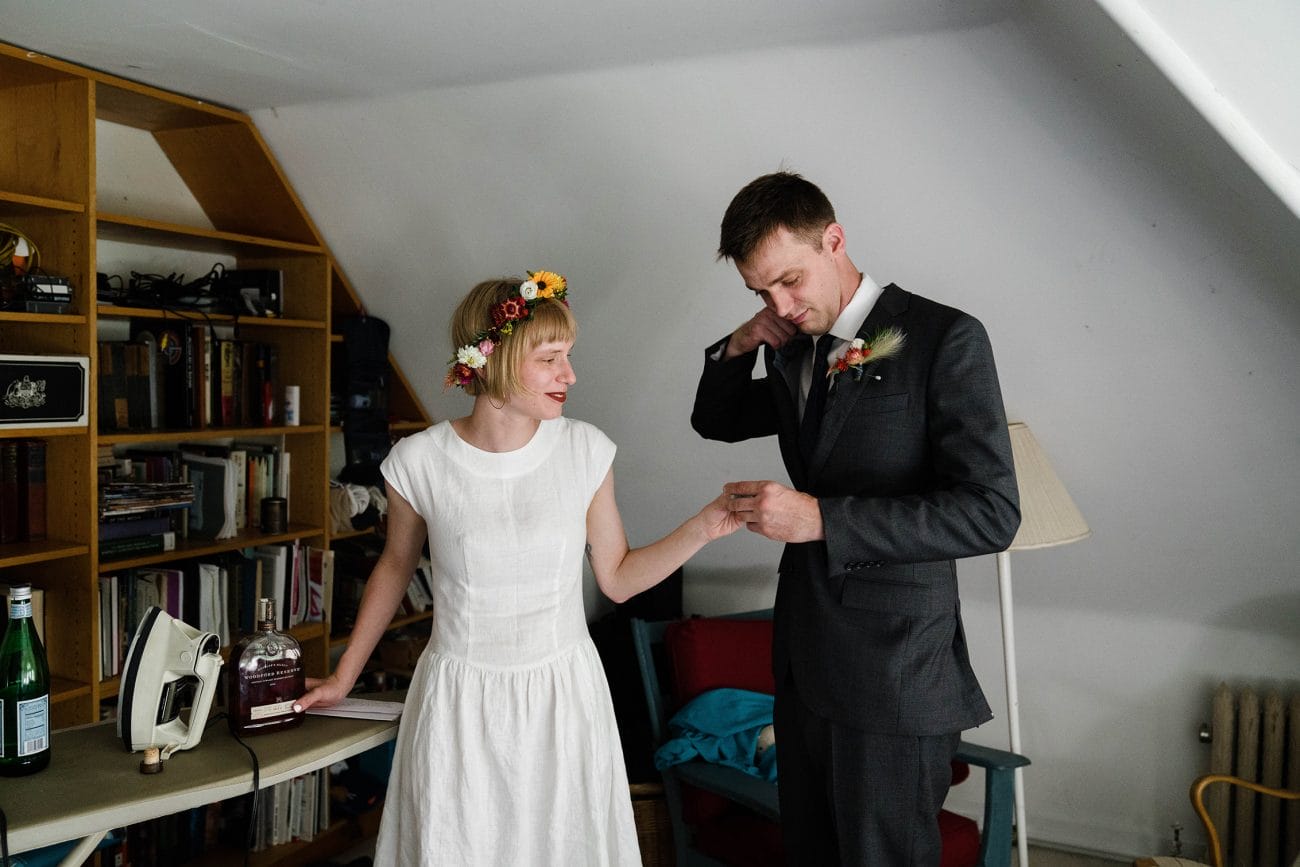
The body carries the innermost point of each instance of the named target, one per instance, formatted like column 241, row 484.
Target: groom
column 895, row 440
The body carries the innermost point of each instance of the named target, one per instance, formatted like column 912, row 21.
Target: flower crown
column 473, row 355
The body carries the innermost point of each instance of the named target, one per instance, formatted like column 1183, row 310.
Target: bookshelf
column 49, row 110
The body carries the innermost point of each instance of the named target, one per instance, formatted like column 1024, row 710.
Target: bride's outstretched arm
column 622, row 572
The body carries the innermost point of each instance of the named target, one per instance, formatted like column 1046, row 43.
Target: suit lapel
column 845, row 390
column 785, row 366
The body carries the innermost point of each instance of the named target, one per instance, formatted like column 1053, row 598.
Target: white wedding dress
column 508, row 751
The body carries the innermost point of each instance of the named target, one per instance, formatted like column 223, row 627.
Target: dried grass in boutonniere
column 856, row 355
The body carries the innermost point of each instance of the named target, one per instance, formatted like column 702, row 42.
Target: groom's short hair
column 768, row 203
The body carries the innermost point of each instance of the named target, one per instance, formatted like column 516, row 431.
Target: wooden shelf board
column 203, row 547
column 120, row 227
column 42, row 318
column 63, row 689
column 7, row 433
column 23, row 553
column 121, row 101
column 207, row 433
column 117, row 311
column 408, row 425
column 397, row 623
column 20, row 203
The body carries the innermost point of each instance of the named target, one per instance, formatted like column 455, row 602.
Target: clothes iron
column 170, row 665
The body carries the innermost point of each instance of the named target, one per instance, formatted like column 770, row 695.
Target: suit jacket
column 912, row 469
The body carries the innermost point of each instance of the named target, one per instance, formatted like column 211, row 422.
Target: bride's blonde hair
column 549, row 320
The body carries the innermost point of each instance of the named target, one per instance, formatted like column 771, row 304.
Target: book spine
column 151, row 544
column 146, row 526
column 191, row 367
column 227, row 387
column 8, row 491
column 137, row 385
column 31, row 490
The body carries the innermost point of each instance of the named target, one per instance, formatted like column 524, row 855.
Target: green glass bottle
column 24, row 691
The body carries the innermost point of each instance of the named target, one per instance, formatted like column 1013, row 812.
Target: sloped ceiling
column 250, row 54
column 1234, row 61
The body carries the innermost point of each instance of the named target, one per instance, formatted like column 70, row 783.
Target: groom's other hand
column 776, row 511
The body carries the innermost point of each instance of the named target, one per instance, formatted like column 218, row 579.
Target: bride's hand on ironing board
column 323, row 692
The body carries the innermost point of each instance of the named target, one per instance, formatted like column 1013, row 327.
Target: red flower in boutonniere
column 857, row 354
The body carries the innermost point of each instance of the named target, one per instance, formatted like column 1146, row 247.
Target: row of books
column 216, row 594
column 182, row 375
column 22, row 491
column 148, row 498
column 291, row 810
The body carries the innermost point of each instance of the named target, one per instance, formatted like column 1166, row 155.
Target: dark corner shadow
column 1266, row 615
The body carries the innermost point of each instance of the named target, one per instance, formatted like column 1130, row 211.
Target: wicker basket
column 654, row 830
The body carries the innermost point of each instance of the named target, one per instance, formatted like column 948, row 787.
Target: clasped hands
column 773, row 510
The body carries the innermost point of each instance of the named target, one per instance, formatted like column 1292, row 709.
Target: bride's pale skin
column 621, row 572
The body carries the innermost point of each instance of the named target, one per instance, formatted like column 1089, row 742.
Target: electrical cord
column 251, row 836
column 4, row 839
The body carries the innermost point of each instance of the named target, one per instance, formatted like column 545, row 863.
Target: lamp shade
column 1048, row 517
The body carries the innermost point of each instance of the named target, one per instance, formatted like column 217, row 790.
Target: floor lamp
column 1048, row 517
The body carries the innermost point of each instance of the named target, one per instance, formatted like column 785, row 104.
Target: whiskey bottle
column 24, row 691
column 264, row 678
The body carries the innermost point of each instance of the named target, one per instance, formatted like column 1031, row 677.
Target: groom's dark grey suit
column 912, row 469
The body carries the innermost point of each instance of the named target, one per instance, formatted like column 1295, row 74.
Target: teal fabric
column 721, row 726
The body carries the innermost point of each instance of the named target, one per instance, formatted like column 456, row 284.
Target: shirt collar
column 855, row 313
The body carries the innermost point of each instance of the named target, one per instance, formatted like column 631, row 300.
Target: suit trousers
column 850, row 797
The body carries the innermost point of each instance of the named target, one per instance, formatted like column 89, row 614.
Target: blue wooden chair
column 759, row 797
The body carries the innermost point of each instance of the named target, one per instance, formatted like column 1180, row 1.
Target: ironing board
column 93, row 784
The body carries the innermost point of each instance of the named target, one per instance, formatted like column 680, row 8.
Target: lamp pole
column 1013, row 698
column 1048, row 518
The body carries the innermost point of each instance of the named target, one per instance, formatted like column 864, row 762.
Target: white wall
column 1138, row 283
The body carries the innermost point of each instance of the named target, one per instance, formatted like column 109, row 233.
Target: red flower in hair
column 509, row 310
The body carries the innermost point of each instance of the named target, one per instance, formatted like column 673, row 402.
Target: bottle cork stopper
column 152, row 761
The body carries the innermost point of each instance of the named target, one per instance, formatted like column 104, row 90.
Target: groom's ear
column 833, row 238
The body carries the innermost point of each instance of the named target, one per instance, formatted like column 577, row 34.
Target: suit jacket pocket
column 884, row 403
column 909, row 598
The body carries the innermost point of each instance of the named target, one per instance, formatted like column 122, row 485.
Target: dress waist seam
column 532, row 664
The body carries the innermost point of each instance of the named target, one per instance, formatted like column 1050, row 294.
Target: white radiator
column 1258, row 740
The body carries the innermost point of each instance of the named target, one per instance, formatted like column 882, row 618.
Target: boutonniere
column 857, row 354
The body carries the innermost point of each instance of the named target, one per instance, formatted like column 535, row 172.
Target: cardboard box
column 40, row 391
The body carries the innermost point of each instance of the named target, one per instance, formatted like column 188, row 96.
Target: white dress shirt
column 843, row 330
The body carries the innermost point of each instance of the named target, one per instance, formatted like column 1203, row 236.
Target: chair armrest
column 989, row 757
column 738, row 786
column 999, row 799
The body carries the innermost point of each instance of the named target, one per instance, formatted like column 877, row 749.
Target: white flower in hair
column 528, row 290
column 471, row 356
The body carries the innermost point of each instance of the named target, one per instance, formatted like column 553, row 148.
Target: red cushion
column 961, row 840
column 741, row 839
column 710, row 652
